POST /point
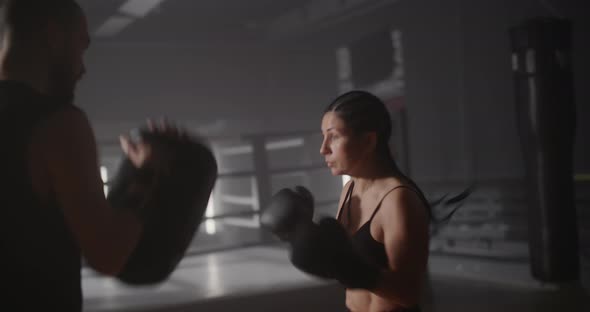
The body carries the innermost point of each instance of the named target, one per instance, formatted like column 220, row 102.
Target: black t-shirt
column 40, row 260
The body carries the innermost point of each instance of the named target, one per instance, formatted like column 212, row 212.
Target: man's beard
column 62, row 81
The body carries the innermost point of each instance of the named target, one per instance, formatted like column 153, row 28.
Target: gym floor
column 260, row 278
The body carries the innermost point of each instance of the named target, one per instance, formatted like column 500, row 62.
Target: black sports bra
column 362, row 238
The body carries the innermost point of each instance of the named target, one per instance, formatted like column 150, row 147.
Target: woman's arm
column 403, row 219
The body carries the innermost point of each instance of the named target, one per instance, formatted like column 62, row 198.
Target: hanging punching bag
column 546, row 123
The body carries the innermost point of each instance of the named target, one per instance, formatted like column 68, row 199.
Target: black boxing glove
column 323, row 250
column 287, row 210
column 326, row 251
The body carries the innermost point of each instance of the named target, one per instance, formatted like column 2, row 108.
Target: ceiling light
column 113, row 25
column 139, row 8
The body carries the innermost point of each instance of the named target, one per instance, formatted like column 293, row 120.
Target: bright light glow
column 345, row 179
column 113, row 26
column 246, row 222
column 139, row 8
column 104, row 174
column 214, row 283
column 237, row 200
column 270, row 146
column 236, row 150
column 210, row 211
column 284, row 144
column 210, row 227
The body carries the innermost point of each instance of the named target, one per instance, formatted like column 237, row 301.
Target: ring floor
column 262, row 279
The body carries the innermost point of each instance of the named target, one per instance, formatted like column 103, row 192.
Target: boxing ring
column 233, row 265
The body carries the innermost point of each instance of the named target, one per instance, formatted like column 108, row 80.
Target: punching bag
column 546, row 118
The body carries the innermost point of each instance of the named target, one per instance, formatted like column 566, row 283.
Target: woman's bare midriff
column 365, row 301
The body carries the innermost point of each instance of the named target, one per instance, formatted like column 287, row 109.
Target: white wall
column 221, row 89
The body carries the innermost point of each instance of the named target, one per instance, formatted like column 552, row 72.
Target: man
column 51, row 194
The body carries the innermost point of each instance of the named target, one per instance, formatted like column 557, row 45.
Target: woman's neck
column 374, row 171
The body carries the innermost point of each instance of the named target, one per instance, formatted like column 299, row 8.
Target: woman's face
column 343, row 150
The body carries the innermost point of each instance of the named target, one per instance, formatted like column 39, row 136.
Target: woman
column 384, row 211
